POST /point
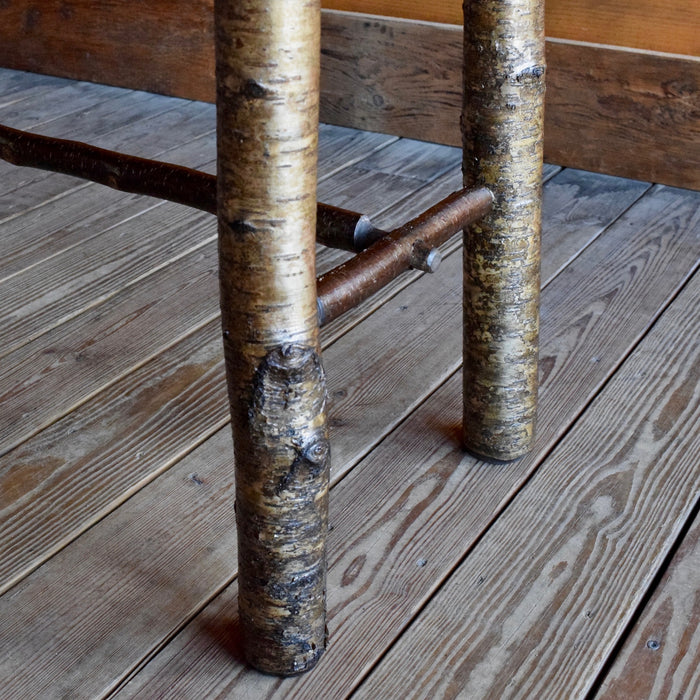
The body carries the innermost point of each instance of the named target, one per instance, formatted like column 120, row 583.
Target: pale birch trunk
column 267, row 95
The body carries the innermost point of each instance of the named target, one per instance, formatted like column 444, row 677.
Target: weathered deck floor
column 572, row 573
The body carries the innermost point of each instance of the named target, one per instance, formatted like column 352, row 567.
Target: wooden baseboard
column 628, row 113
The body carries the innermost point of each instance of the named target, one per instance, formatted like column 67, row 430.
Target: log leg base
column 502, row 138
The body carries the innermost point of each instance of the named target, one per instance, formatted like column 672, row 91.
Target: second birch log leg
column 502, row 136
column 267, row 105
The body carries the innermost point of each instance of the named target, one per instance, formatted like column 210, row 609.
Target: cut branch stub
column 502, row 130
column 267, row 105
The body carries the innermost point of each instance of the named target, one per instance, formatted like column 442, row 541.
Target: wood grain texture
column 146, row 45
column 134, row 548
column 656, row 97
column 106, row 438
column 399, row 76
column 88, row 352
column 62, row 481
column 16, row 86
column 538, row 589
column 652, row 25
column 660, row 657
column 134, row 588
column 405, row 515
column 576, row 208
column 67, row 98
column 61, row 287
column 388, row 75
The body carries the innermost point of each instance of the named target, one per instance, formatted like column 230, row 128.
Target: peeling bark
column 267, row 104
column 502, row 122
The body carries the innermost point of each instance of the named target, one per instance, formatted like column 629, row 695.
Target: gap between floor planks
column 660, row 658
column 543, row 600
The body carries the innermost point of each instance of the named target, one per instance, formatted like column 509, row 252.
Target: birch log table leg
column 502, row 136
column 268, row 57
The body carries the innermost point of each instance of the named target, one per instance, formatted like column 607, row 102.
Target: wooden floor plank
column 117, row 561
column 545, row 595
column 37, row 532
column 419, row 159
column 62, row 287
column 59, row 483
column 661, row 656
column 404, row 517
column 16, row 86
column 87, row 353
column 340, row 147
column 68, row 98
column 578, row 204
column 87, row 667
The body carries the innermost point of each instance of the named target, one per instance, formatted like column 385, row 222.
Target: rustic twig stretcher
column 264, row 194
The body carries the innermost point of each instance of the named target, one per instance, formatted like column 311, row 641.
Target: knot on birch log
column 288, row 413
column 240, row 228
column 530, row 74
column 281, row 511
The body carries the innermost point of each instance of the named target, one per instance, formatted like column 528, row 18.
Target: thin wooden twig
column 335, row 227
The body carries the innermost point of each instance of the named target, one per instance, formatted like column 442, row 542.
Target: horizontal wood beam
column 335, row 227
column 622, row 112
column 653, row 25
column 627, row 113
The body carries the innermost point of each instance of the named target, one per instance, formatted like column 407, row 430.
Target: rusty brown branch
column 335, row 227
column 408, row 246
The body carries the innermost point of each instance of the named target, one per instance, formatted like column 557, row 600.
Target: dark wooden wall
column 670, row 26
column 629, row 113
